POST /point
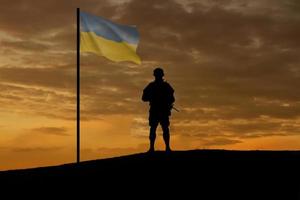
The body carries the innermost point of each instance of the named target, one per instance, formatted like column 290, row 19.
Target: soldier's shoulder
column 150, row 85
column 168, row 85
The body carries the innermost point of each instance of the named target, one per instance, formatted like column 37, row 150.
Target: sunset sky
column 234, row 65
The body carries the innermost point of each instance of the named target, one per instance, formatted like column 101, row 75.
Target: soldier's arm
column 146, row 94
column 172, row 97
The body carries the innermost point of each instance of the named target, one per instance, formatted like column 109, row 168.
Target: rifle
column 173, row 107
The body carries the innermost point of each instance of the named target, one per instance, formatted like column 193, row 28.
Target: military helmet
column 158, row 72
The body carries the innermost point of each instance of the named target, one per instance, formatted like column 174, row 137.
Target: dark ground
column 196, row 174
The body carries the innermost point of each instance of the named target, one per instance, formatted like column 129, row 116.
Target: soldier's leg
column 152, row 137
column 166, row 132
column 166, row 135
column 153, row 123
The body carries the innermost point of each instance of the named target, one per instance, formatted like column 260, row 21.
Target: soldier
column 160, row 96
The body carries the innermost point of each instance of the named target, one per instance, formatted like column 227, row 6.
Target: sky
column 234, row 65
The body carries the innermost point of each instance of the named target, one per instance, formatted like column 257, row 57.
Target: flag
column 105, row 38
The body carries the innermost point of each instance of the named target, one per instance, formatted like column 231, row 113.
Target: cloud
column 25, row 45
column 224, row 38
column 59, row 131
column 238, row 129
column 43, row 77
column 32, row 18
column 221, row 142
column 36, row 149
column 37, row 100
column 227, row 60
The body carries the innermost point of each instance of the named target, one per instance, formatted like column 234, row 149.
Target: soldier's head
column 158, row 73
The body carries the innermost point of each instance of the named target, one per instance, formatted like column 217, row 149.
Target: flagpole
column 78, row 90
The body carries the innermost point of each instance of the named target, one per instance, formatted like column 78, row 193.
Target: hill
column 206, row 174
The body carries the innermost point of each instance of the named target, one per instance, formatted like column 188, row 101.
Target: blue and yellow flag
column 103, row 37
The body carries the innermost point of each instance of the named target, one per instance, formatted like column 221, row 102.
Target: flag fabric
column 105, row 38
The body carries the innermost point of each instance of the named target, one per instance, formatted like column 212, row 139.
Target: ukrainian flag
column 105, row 38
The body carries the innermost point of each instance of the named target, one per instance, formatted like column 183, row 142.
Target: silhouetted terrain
column 201, row 174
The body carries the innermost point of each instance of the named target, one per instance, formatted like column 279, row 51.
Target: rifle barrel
column 175, row 109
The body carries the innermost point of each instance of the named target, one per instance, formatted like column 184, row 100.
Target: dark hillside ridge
column 202, row 174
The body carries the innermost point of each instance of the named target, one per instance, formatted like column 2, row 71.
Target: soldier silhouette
column 160, row 96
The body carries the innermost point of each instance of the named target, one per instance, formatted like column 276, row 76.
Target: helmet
column 158, row 72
